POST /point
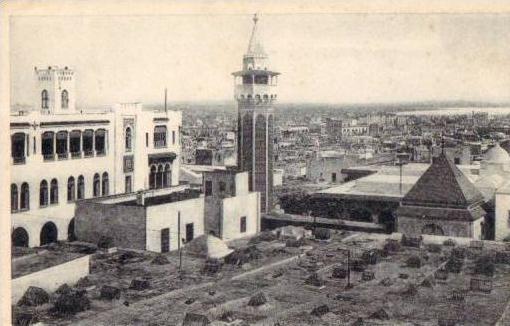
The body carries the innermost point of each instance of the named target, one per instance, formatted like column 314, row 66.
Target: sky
column 326, row 58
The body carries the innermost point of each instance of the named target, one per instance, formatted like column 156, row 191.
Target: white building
column 113, row 174
column 61, row 155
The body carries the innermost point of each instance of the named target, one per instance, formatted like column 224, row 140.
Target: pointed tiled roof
column 255, row 46
column 443, row 185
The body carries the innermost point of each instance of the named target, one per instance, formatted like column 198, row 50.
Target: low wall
column 51, row 278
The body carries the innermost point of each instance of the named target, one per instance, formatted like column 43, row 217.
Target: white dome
column 493, row 181
column 497, row 155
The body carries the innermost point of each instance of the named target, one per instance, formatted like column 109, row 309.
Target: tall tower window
column 128, row 139
column 65, row 99
column 44, row 99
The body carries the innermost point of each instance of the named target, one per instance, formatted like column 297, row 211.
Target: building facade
column 255, row 92
column 61, row 155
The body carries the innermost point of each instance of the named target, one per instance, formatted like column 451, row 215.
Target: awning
column 167, row 157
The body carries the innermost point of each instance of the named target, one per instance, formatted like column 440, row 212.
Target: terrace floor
column 280, row 273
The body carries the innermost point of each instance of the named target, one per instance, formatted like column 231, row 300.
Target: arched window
column 71, row 190
column 159, row 177
column 65, row 99
column 128, row 139
column 25, row 197
column 81, row 187
column 152, row 178
column 14, row 197
column 97, row 185
column 54, row 191
column 167, row 176
column 105, row 184
column 44, row 99
column 43, row 193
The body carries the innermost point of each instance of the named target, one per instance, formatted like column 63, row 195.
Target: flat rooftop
column 385, row 181
column 152, row 197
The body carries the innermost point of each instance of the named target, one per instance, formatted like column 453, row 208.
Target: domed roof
column 497, row 155
column 492, row 181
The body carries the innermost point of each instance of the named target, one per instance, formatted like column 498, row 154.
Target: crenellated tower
column 255, row 92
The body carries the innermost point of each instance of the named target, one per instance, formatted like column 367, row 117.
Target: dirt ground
column 280, row 273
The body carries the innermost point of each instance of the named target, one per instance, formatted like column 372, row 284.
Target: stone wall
column 51, row 278
column 124, row 224
column 452, row 228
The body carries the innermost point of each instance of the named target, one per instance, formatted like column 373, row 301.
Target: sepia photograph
column 254, row 163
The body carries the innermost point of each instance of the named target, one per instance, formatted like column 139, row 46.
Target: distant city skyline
column 343, row 58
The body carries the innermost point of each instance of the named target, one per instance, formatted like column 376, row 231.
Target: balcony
column 101, row 153
column 88, row 153
column 75, row 155
column 159, row 144
column 18, row 160
column 49, row 157
column 62, row 156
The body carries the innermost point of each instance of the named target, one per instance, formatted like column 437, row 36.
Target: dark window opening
column 96, row 186
column 47, row 145
column 128, row 188
column 14, row 197
column 165, row 240
column 152, row 178
column 81, row 187
column 18, row 148
column 128, row 139
column 189, row 232
column 54, row 191
column 105, row 185
column 243, row 224
column 65, row 99
column 75, row 143
column 71, row 190
column 62, row 144
column 25, row 197
column 88, row 143
column 223, row 186
column 261, row 79
column 44, row 99
column 160, row 136
column 43, row 193
column 208, row 188
column 100, row 142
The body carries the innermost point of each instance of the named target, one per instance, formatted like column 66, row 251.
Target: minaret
column 255, row 92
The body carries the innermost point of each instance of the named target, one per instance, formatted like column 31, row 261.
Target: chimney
column 140, row 198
